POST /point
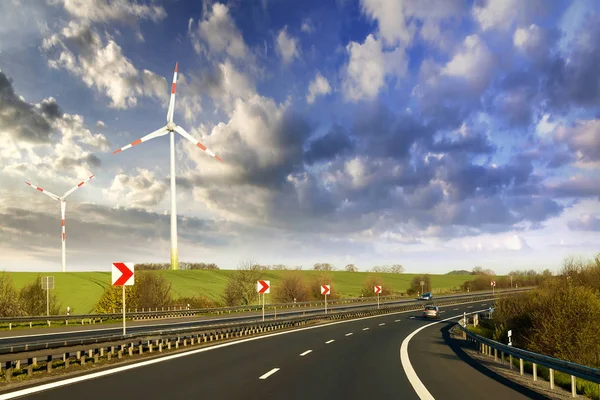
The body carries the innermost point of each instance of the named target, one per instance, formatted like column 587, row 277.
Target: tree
column 291, row 287
column 370, row 282
column 350, row 268
column 415, row 284
column 241, row 286
column 279, row 267
column 151, row 290
column 379, row 269
column 9, row 301
column 396, row 269
column 32, row 299
column 323, row 267
column 317, row 281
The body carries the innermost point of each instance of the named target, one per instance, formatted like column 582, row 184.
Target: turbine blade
column 160, row 132
column 172, row 100
column 47, row 193
column 77, row 187
column 63, row 208
column 186, row 135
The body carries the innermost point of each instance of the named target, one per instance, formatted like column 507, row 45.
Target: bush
column 32, row 299
column 241, row 287
column 415, row 285
column 151, row 290
column 291, row 287
column 317, row 281
column 9, row 300
column 369, row 285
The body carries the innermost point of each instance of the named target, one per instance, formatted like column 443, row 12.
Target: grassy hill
column 81, row 290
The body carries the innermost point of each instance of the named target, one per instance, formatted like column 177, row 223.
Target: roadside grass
column 81, row 290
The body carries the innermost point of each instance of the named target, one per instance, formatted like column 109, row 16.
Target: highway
column 36, row 335
column 354, row 359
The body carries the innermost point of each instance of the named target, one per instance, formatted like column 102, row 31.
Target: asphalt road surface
column 344, row 360
column 43, row 335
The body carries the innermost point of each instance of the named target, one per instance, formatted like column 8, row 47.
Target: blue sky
column 441, row 134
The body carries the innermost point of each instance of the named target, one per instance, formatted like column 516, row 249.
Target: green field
column 81, row 290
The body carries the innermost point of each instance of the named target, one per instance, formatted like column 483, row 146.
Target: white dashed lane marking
column 365, row 329
column 330, row 341
column 268, row 374
column 348, row 334
column 305, row 353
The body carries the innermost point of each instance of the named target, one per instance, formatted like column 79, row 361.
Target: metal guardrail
column 222, row 310
column 553, row 364
column 414, row 305
column 21, row 359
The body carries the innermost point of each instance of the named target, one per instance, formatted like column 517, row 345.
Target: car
column 431, row 312
column 426, row 296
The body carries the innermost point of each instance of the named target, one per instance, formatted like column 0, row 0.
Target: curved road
column 354, row 359
column 43, row 335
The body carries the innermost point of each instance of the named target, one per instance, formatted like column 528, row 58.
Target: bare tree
column 351, row 268
column 323, row 267
column 397, row 269
column 241, row 287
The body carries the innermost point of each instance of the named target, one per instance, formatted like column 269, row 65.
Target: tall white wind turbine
column 63, row 210
column 171, row 128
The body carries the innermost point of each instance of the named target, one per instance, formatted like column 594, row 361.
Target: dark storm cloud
column 21, row 119
column 327, row 147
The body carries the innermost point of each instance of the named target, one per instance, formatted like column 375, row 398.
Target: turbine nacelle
column 171, row 126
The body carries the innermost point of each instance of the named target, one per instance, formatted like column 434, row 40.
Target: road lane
column 350, row 367
column 435, row 357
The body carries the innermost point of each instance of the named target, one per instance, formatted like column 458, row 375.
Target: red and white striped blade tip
column 176, row 66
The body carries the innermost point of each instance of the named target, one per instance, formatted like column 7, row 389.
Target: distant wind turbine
column 171, row 128
column 63, row 210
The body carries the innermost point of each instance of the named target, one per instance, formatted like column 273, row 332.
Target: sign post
column 377, row 289
column 122, row 275
column 263, row 287
column 493, row 287
column 325, row 289
column 47, row 284
column 510, row 337
column 422, row 285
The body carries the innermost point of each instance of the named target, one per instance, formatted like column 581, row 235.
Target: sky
column 436, row 134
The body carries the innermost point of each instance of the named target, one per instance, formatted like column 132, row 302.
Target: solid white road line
column 365, row 329
column 330, row 341
column 412, row 376
column 348, row 334
column 381, row 324
column 94, row 375
column 305, row 353
column 268, row 374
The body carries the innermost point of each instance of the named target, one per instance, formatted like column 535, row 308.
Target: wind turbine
column 171, row 128
column 63, row 209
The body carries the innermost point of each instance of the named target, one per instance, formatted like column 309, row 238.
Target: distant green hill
column 81, row 290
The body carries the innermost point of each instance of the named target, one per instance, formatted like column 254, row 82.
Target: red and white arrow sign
column 122, row 274
column 493, row 283
column 377, row 289
column 325, row 289
column 263, row 286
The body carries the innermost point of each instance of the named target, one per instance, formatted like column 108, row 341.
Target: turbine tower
column 171, row 128
column 63, row 210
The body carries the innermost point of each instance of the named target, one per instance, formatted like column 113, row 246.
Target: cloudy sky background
column 438, row 134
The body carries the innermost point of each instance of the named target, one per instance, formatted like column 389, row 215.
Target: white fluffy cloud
column 219, row 32
column 368, row 67
column 113, row 10
column 100, row 64
column 144, row 190
column 397, row 18
column 287, row 46
column 318, row 86
column 502, row 14
column 473, row 62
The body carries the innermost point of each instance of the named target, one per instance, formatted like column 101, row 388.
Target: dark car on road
column 426, row 296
